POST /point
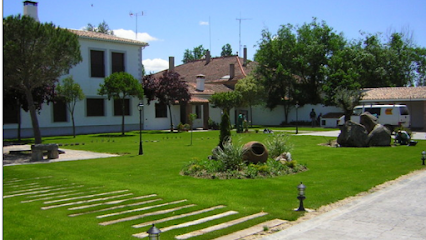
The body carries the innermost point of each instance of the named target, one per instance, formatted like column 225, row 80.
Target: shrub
column 180, row 127
column 225, row 128
column 277, row 144
column 229, row 164
column 230, row 155
column 212, row 124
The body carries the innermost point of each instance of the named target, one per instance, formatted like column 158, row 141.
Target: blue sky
column 170, row 27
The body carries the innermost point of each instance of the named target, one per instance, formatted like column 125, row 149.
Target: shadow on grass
column 9, row 142
column 113, row 135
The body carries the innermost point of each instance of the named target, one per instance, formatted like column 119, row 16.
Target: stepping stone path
column 122, row 206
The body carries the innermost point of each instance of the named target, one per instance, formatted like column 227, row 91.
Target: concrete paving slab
column 395, row 212
column 69, row 155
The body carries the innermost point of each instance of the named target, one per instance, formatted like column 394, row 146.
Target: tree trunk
column 33, row 114
column 251, row 116
column 73, row 124
column 171, row 120
column 123, row 106
column 18, row 105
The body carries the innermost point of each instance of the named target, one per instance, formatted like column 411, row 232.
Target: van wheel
column 390, row 128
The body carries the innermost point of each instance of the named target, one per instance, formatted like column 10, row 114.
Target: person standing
column 313, row 116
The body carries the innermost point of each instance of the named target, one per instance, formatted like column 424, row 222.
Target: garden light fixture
column 301, row 196
column 154, row 233
column 423, row 157
column 140, row 107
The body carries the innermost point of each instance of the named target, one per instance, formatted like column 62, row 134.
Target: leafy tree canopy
column 70, row 92
column 304, row 64
column 226, row 100
column 101, row 28
column 226, row 50
column 121, row 85
column 168, row 89
column 195, row 54
column 35, row 56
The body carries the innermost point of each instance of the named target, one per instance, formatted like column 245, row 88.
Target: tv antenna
column 241, row 19
column 136, row 14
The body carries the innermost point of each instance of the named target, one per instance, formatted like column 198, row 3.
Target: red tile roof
column 216, row 71
column 106, row 37
column 395, row 93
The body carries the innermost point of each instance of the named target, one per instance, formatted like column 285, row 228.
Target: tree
column 225, row 129
column 168, row 89
column 16, row 97
column 36, row 55
column 191, row 117
column 226, row 100
column 252, row 93
column 391, row 62
column 344, row 71
column 102, row 28
column 226, row 50
column 119, row 86
column 347, row 99
column 276, row 57
column 70, row 92
column 197, row 53
column 316, row 44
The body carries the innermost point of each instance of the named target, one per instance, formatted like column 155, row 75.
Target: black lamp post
column 423, row 157
column 140, row 107
column 297, row 118
column 301, row 196
column 154, row 233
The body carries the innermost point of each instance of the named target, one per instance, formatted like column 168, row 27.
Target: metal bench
column 38, row 149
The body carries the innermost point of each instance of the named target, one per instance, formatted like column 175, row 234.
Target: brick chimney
column 208, row 57
column 245, row 56
column 231, row 71
column 30, row 9
column 171, row 64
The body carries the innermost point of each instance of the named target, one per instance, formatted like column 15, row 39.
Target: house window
column 198, row 111
column 95, row 107
column 11, row 113
column 118, row 107
column 117, row 61
column 160, row 110
column 97, row 63
column 60, row 111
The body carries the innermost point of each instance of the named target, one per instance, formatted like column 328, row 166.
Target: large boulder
column 379, row 136
column 353, row 134
column 368, row 121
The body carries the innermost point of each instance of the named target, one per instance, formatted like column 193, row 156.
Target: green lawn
column 334, row 174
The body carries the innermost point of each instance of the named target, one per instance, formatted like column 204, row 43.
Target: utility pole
column 241, row 19
column 136, row 14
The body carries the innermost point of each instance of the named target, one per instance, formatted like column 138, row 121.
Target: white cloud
column 202, row 23
column 130, row 34
column 155, row 65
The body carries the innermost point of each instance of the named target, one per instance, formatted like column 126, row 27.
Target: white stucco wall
column 90, row 86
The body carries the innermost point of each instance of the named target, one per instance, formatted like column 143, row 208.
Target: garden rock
column 353, row 135
column 368, row 121
column 379, row 136
column 284, row 157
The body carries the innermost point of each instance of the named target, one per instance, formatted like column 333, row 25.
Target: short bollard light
column 154, row 233
column 423, row 157
column 301, row 196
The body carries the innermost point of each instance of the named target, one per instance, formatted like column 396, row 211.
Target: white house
column 102, row 55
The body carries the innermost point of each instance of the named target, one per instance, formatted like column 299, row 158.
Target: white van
column 390, row 116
